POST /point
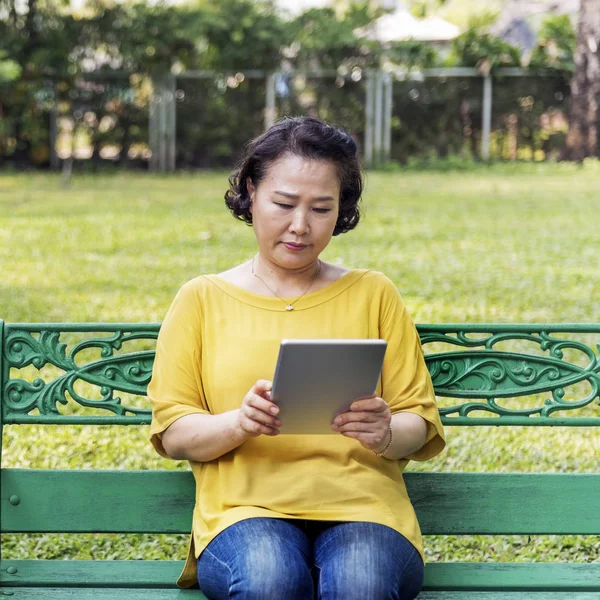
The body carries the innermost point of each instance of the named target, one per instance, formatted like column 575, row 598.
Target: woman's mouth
column 294, row 247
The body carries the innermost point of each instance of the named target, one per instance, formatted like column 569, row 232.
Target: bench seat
column 141, row 594
column 108, row 578
column 471, row 364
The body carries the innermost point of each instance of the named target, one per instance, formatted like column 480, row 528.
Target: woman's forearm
column 203, row 437
column 409, row 433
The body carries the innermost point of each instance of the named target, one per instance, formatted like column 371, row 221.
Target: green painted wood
column 506, row 503
column 583, row 577
column 129, row 594
column 501, row 595
column 81, row 501
column 100, row 594
column 137, row 594
column 162, row 501
column 153, row 574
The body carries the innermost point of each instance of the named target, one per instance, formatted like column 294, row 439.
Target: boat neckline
column 279, row 304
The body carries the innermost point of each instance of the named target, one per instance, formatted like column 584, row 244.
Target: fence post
column 369, row 119
column 486, row 124
column 153, row 125
column 387, row 118
column 378, row 143
column 171, row 117
column 162, row 126
column 53, row 131
column 270, row 101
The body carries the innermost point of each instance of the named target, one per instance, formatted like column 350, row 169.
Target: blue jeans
column 293, row 559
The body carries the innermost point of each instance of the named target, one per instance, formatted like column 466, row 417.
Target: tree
column 584, row 114
column 240, row 34
column 555, row 47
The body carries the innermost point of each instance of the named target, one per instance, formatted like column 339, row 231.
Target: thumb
column 262, row 386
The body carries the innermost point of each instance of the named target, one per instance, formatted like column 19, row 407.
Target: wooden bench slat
column 87, row 501
column 506, row 503
column 84, row 501
column 141, row 594
column 157, row 574
column 508, row 596
column 512, row 576
column 100, row 594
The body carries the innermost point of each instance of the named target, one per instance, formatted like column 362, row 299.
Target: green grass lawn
column 505, row 243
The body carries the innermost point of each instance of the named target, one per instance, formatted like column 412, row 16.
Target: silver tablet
column 315, row 380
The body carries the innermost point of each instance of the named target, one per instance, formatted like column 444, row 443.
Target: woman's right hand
column 258, row 415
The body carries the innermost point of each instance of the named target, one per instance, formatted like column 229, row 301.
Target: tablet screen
column 315, row 380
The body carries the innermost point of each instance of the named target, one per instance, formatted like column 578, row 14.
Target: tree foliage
column 555, row 47
column 476, row 48
column 51, row 54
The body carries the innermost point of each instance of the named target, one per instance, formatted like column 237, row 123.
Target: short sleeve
column 405, row 380
column 175, row 389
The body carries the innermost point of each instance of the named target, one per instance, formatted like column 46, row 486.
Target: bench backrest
column 536, row 375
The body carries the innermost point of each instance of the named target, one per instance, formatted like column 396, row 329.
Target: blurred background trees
column 85, row 68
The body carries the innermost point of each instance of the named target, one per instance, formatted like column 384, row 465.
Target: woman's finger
column 261, row 417
column 258, row 413
column 359, row 426
column 365, row 417
column 256, row 428
column 261, row 387
column 370, row 404
column 261, row 403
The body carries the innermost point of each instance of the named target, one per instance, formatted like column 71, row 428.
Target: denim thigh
column 258, row 559
column 358, row 560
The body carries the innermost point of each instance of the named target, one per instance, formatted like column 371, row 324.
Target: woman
column 287, row 516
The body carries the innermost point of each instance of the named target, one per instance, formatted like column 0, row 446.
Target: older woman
column 291, row 516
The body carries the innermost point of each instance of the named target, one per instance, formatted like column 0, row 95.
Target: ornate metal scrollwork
column 481, row 371
column 126, row 372
column 477, row 372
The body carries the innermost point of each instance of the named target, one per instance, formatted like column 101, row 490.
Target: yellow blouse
column 217, row 339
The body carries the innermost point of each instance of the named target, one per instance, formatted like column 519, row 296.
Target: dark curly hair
column 306, row 137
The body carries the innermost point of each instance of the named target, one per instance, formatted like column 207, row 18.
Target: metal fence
column 202, row 119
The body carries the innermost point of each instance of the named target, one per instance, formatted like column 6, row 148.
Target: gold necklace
column 290, row 305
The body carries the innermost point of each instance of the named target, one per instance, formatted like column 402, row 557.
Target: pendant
column 289, row 307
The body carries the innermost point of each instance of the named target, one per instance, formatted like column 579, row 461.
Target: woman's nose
column 299, row 224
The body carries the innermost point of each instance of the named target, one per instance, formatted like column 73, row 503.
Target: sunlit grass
column 498, row 244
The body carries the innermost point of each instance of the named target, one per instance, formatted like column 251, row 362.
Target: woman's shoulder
column 194, row 290
column 381, row 290
column 237, row 275
column 377, row 279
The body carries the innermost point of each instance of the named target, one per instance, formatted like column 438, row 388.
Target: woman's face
column 295, row 209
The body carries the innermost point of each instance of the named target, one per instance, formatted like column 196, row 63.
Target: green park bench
column 98, row 373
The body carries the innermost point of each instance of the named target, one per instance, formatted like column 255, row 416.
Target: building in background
column 520, row 20
column 400, row 25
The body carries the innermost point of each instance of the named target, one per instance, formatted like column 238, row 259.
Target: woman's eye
column 322, row 211
column 283, row 205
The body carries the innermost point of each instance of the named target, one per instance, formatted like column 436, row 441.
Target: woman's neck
column 285, row 282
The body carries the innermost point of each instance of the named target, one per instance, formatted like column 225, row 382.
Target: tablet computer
column 315, row 380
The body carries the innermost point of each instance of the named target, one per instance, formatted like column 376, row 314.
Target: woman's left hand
column 367, row 421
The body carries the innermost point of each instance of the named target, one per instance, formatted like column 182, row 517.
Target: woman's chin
column 294, row 259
